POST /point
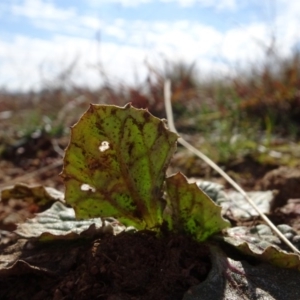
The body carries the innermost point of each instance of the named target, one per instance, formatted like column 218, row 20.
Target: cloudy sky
column 39, row 39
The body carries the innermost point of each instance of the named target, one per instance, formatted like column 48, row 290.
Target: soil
column 127, row 266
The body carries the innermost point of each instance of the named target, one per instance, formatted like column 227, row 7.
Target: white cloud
column 287, row 25
column 219, row 5
column 40, row 61
column 126, row 3
column 193, row 40
column 42, row 10
column 45, row 15
column 183, row 40
column 90, row 22
column 132, row 42
column 245, row 44
column 115, row 31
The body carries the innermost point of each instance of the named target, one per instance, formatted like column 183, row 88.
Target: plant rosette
column 158, row 227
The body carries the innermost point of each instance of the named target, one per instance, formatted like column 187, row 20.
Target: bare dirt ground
column 123, row 266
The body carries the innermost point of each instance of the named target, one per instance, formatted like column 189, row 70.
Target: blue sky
column 41, row 38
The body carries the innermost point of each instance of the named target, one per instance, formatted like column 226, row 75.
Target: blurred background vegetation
column 253, row 115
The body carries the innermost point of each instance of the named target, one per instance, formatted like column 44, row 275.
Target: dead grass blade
column 168, row 107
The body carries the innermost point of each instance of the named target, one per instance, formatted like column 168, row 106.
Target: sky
column 94, row 40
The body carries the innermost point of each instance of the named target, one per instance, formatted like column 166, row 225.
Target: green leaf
column 191, row 210
column 115, row 165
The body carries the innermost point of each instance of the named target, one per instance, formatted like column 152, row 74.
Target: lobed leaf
column 115, row 165
column 191, row 210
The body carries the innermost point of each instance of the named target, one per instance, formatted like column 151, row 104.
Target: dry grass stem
column 168, row 106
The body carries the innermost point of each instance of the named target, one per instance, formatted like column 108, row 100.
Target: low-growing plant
column 115, row 166
column 115, row 171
